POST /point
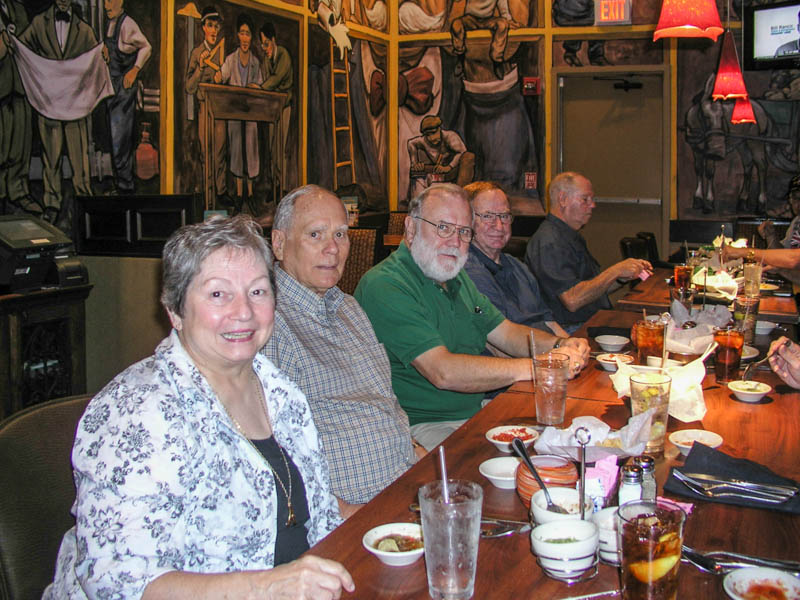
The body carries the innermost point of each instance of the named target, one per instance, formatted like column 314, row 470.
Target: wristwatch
column 559, row 341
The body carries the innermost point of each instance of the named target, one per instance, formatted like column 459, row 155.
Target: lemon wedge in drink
column 648, row 572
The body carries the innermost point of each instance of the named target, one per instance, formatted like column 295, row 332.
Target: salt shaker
column 648, row 465
column 630, row 487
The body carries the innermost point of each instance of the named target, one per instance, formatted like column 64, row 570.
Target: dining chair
column 365, row 244
column 652, row 250
column 397, row 220
column 37, row 493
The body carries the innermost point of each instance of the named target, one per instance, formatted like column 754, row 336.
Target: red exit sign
column 612, row 12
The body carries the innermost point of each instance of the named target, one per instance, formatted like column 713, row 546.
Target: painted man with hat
column 200, row 71
column 438, row 155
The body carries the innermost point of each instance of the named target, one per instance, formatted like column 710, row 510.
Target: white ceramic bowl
column 611, row 343
column 655, row 361
column 520, row 431
column 749, row 391
column 738, row 582
column 606, row 521
column 501, row 471
column 394, row 559
column 609, row 363
column 764, row 327
column 564, row 497
column 565, row 559
column 685, row 439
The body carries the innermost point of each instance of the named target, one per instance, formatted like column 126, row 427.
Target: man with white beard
column 434, row 323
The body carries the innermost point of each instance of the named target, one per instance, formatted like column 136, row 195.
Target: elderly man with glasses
column 434, row 323
column 505, row 280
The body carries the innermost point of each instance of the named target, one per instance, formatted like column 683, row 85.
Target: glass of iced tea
column 728, row 354
column 650, row 535
column 682, row 276
column 649, row 339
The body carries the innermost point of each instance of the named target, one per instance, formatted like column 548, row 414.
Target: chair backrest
column 36, row 493
column 397, row 220
column 633, row 247
column 748, row 229
column 364, row 246
column 652, row 244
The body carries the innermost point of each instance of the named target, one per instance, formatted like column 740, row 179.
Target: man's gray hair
column 189, row 246
column 445, row 189
column 285, row 211
column 563, row 182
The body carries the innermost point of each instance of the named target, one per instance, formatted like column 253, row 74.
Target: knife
column 767, row 487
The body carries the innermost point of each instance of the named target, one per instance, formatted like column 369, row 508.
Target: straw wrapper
column 628, row 441
column 686, row 402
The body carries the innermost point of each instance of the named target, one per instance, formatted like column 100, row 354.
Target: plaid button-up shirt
column 326, row 345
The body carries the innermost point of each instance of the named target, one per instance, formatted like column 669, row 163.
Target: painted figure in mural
column 438, row 155
column 712, row 137
column 331, row 19
column 126, row 51
column 278, row 76
column 792, row 47
column 480, row 14
column 58, row 33
column 578, row 12
column 15, row 116
column 199, row 71
column 241, row 68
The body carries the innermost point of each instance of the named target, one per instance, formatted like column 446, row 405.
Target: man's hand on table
column 631, row 268
column 578, row 351
column 785, row 361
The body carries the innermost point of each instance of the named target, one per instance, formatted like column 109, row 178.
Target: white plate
column 501, row 471
column 749, row 353
column 768, row 287
column 737, row 582
column 685, row 439
column 506, row 446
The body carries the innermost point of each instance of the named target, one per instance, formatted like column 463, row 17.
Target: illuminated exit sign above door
column 612, row 12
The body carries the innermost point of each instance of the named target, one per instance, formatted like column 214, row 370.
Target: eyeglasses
column 489, row 217
column 446, row 230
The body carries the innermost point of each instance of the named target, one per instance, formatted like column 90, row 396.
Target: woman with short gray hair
column 199, row 470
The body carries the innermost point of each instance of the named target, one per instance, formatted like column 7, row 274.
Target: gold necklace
column 291, row 520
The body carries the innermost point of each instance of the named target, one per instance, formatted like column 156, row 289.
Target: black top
column 292, row 541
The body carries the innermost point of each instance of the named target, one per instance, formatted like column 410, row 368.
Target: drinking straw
column 533, row 357
column 686, row 249
column 443, row 469
column 644, row 314
column 705, row 287
column 664, row 349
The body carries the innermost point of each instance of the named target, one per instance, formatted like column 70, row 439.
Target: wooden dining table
column 653, row 295
column 768, row 432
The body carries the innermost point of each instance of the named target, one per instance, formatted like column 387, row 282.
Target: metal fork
column 750, row 495
column 758, row 363
column 711, row 487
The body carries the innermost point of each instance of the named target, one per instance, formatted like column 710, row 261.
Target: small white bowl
column 685, row 439
column 501, row 471
column 749, row 391
column 611, row 343
column 764, row 327
column 609, row 363
column 655, row 361
column 528, row 435
column 394, row 559
column 562, row 559
column 564, row 497
column 737, row 583
column 606, row 521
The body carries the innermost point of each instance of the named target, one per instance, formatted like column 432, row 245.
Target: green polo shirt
column 412, row 314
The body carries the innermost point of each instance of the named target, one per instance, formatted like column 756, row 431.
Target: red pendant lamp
column 729, row 83
column 688, row 18
column 743, row 112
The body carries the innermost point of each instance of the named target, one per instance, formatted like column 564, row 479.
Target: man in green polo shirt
column 434, row 323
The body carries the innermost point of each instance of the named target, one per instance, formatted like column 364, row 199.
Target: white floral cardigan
column 165, row 483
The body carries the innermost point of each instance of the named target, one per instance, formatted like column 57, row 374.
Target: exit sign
column 612, row 12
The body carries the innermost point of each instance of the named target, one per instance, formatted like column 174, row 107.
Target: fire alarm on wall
column 531, row 86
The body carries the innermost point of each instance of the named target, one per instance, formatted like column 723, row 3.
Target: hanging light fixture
column 729, row 82
column 743, row 112
column 688, row 18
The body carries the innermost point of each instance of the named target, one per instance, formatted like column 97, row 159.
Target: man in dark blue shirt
column 503, row 279
column 572, row 282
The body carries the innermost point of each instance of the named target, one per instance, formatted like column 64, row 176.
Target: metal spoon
column 519, row 448
column 753, row 365
column 583, row 436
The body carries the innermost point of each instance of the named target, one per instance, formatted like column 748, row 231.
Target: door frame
column 667, row 135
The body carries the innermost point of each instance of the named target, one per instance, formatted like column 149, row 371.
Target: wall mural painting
column 729, row 170
column 462, row 114
column 79, row 103
column 240, row 63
